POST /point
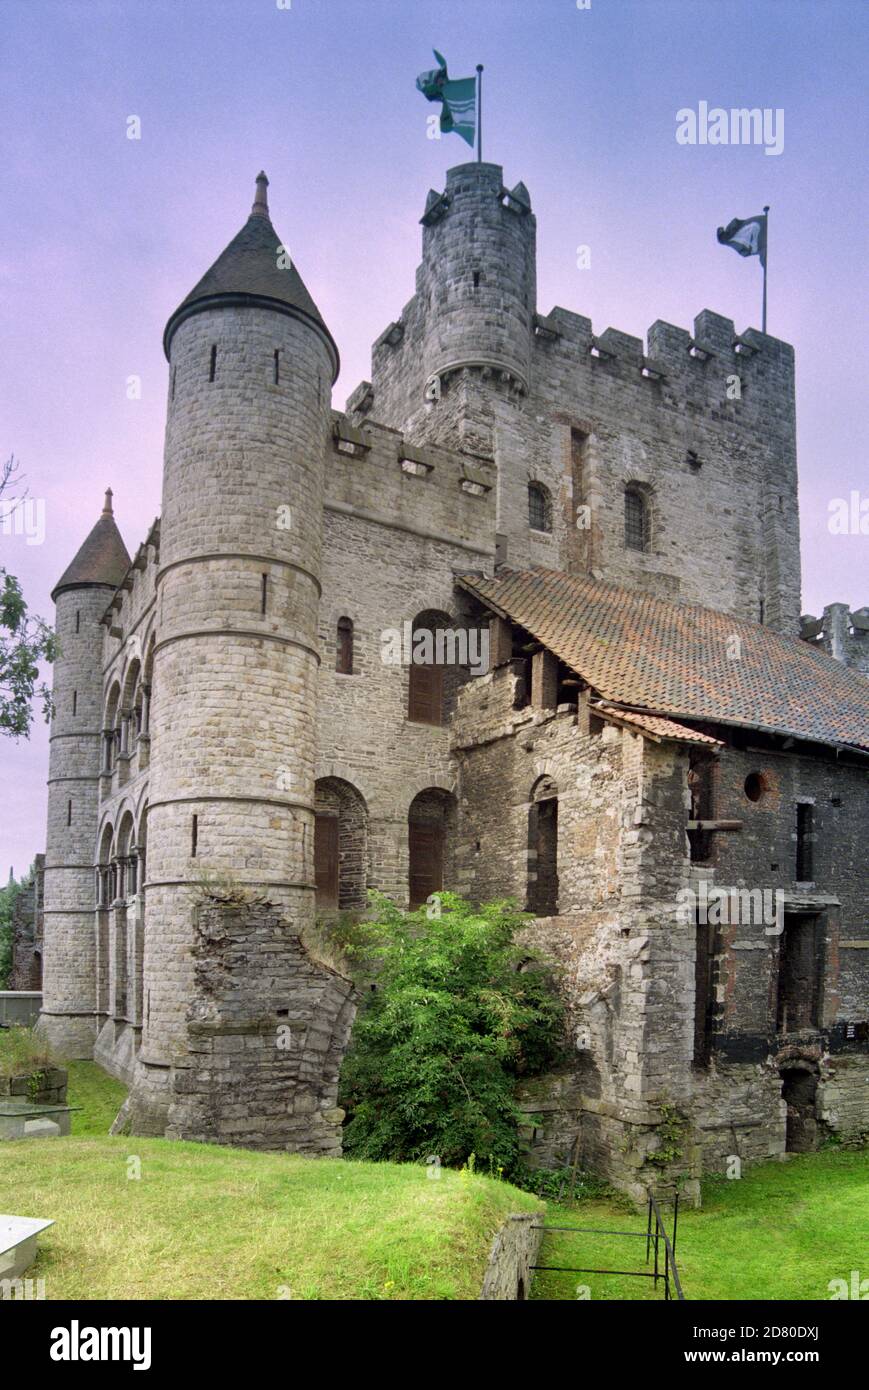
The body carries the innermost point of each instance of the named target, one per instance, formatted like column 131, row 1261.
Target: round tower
column 81, row 596
column 478, row 276
column 251, row 365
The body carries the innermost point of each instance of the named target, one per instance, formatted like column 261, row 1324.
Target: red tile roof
column 656, row 726
column 680, row 659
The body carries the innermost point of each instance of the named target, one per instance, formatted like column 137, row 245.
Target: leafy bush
column 560, row 1184
column 448, row 1026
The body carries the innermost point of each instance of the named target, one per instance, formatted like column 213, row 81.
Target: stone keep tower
column 457, row 368
column 240, row 1027
column 81, row 595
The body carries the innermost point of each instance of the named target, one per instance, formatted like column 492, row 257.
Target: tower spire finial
column 107, row 505
column 260, row 203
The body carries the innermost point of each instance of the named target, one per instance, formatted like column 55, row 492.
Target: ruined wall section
column 626, row 961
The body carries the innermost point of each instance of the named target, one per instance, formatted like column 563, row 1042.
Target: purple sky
column 102, row 236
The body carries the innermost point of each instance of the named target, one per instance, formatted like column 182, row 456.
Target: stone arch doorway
column 799, row 1092
column 543, row 849
column 430, row 843
column 340, row 846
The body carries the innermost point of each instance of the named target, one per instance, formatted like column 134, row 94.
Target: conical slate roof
column 254, row 266
column 102, row 560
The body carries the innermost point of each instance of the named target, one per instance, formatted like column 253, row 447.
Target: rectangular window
column 701, row 787
column 277, row 367
column 69, row 813
column 75, row 701
column 264, row 593
column 194, row 837
column 805, row 842
column 212, row 365
column 704, row 992
column 77, row 620
column 326, row 860
column 800, row 967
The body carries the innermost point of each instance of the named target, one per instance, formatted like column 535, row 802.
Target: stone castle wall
column 704, row 422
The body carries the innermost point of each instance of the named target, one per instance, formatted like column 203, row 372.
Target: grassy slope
column 782, row 1231
column 204, row 1221
column 208, row 1222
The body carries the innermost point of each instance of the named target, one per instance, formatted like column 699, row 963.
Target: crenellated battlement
column 669, row 351
column 377, row 473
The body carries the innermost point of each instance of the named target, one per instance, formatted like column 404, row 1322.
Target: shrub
column 444, row 1033
column 23, row 1051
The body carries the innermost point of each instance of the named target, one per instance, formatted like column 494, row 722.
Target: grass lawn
column 99, row 1095
column 782, row 1231
column 202, row 1221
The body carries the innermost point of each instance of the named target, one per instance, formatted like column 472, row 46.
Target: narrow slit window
column 344, row 647
column 194, row 837
column 212, row 365
column 75, row 702
column 805, row 842
column 172, row 393
column 77, row 620
column 277, row 366
column 264, row 594
column 69, row 813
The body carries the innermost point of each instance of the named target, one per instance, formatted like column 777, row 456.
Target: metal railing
column 655, row 1235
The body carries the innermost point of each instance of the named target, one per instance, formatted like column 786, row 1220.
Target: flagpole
column 479, row 113
column 765, row 260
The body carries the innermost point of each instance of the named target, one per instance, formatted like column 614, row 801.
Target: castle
column 233, row 756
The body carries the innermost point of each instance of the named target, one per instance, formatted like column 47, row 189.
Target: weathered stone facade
column 842, row 634
column 245, row 750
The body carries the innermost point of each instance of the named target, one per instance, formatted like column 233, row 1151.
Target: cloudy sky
column 101, row 235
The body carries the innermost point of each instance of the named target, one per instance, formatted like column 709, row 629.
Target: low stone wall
column 46, row 1086
column 19, row 1007
column 514, row 1251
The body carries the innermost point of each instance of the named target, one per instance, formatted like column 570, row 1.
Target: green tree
column 7, row 904
column 24, row 640
column 459, row 1011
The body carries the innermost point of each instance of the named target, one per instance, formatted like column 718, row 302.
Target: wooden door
column 426, row 695
column 326, row 860
column 426, row 876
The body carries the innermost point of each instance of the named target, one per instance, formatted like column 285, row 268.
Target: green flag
column 746, row 235
column 458, row 98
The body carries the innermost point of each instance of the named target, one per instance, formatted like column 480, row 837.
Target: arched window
column 636, row 518
column 430, row 833
column 344, row 647
column 543, row 849
column 425, row 694
column 539, row 509
column 340, row 846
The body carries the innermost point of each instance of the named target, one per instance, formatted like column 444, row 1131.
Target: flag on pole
column 458, row 97
column 747, row 237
